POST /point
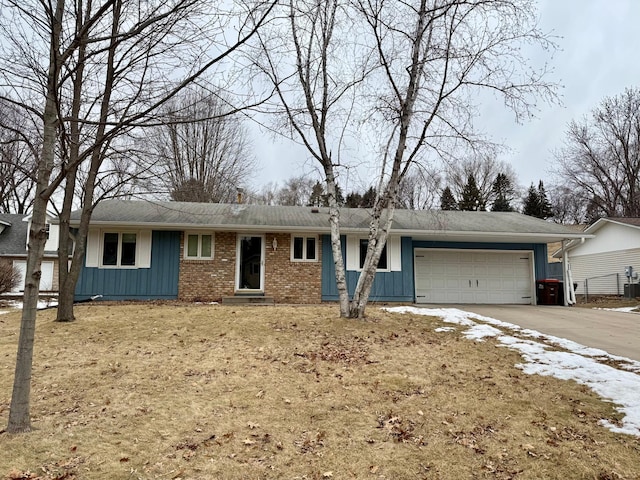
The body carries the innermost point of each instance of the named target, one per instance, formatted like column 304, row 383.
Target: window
column 47, row 229
column 383, row 263
column 198, row 246
column 304, row 249
column 119, row 249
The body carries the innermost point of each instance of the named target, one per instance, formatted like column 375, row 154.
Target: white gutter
column 431, row 234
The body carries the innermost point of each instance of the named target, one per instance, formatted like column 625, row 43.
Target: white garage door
column 464, row 276
column 46, row 281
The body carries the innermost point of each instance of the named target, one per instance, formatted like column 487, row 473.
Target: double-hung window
column 119, row 249
column 198, row 246
column 304, row 249
column 383, row 263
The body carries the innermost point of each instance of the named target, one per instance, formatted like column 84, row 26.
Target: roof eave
column 522, row 236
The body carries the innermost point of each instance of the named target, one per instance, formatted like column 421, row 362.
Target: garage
column 474, row 276
column 46, row 281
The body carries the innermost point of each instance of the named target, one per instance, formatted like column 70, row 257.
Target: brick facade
column 284, row 280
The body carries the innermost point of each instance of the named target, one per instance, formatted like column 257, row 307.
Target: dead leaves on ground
column 340, row 352
column 61, row 470
column 400, row 429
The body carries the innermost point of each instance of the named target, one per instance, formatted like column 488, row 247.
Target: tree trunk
column 19, row 413
column 336, row 245
column 71, row 275
column 65, row 290
column 377, row 240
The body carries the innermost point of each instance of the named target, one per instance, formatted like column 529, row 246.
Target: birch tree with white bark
column 407, row 75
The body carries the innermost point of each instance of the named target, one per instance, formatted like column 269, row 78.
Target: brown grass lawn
column 179, row 391
column 607, row 301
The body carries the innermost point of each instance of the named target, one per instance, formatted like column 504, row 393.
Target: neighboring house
column 14, row 232
column 598, row 263
column 205, row 252
column 556, row 266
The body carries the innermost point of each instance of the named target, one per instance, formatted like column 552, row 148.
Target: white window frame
column 394, row 253
column 120, row 233
column 386, row 250
column 304, row 248
column 199, row 256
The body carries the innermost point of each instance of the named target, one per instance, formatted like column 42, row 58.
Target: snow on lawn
column 42, row 304
column 579, row 363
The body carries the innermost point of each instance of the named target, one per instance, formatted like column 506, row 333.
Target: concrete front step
column 248, row 300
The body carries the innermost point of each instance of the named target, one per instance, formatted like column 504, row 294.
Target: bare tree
column 412, row 91
column 19, row 150
column 201, row 153
column 316, row 95
column 102, row 70
column 600, row 161
column 567, row 206
column 420, row 189
column 296, row 191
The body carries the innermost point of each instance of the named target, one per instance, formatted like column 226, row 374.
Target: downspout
column 569, row 292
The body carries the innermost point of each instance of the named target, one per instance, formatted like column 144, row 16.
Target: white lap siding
column 604, row 271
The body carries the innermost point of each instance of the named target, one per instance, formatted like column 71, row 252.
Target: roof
column 13, row 238
column 420, row 224
column 632, row 222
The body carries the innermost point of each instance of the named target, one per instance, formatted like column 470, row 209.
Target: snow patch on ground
column 620, row 309
column 17, row 305
column 579, row 363
column 445, row 329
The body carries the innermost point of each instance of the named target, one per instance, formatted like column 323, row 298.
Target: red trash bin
column 548, row 291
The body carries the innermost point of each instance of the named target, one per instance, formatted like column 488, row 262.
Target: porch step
column 248, row 300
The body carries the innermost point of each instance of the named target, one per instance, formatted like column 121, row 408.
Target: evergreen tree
column 471, row 198
column 545, row 205
column 317, row 197
column 354, row 199
column 532, row 202
column 447, row 200
column 536, row 204
column 368, row 198
column 361, row 200
column 503, row 192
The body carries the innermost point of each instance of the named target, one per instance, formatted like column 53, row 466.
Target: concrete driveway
column 615, row 332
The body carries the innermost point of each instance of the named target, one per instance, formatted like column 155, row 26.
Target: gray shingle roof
column 487, row 226
column 13, row 239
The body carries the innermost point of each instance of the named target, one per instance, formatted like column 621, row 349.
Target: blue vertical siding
column 387, row 286
column 158, row 282
column 399, row 286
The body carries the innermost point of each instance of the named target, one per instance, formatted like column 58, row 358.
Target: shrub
column 8, row 277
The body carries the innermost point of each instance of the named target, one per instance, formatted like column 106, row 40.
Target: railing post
column 586, row 290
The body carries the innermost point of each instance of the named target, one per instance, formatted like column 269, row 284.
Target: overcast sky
column 597, row 57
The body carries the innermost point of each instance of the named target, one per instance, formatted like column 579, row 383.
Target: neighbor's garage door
column 464, row 276
column 46, row 280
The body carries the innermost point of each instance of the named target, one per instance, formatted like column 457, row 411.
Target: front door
column 250, row 271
